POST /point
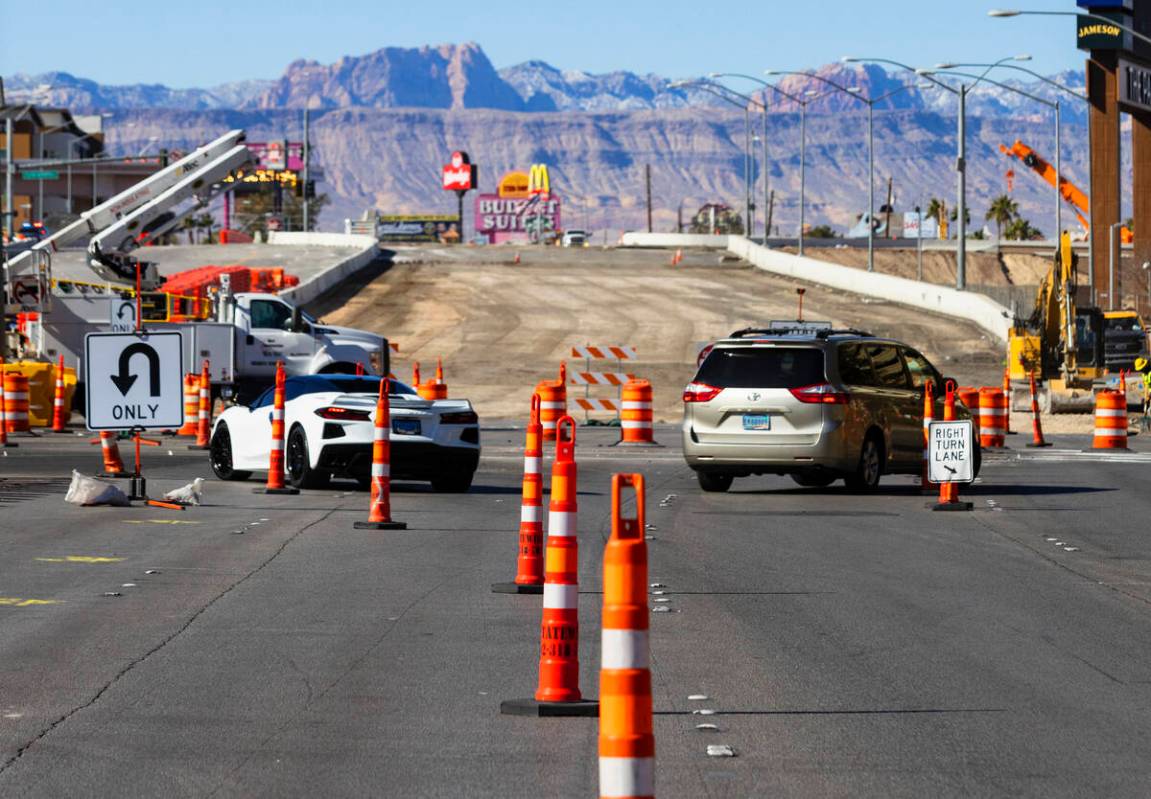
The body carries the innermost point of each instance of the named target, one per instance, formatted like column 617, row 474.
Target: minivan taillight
column 821, row 394
column 700, row 392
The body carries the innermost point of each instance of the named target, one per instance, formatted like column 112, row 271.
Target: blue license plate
column 406, row 427
column 756, row 421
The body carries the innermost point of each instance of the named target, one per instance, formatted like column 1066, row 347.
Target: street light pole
column 961, row 211
column 748, row 221
column 870, row 187
column 1058, row 176
column 802, row 169
column 766, row 172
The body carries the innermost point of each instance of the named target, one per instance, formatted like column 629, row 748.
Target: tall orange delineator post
column 1037, row 439
column 1110, row 420
column 928, row 418
column 380, row 511
column 626, row 740
column 949, row 492
column 558, row 693
column 275, row 483
column 59, row 418
column 4, row 442
column 529, row 563
column 204, row 428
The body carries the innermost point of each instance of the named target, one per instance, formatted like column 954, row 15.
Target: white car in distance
column 328, row 425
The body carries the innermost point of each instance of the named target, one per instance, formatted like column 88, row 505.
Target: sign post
column 461, row 177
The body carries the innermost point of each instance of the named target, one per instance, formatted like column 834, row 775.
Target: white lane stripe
column 626, row 776
column 558, row 596
column 561, row 523
column 625, row 649
column 531, row 513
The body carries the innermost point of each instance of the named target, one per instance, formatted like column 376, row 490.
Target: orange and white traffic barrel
column 59, row 416
column 626, row 740
column 191, row 405
column 553, row 402
column 992, row 411
column 558, row 693
column 204, row 422
column 1110, row 420
column 380, row 510
column 275, row 484
column 16, row 399
column 636, row 417
column 529, row 562
column 4, row 442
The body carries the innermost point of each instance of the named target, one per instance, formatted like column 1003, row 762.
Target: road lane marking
column 17, row 602
column 80, row 559
column 158, row 521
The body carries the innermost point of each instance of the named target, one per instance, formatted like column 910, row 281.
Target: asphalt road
column 849, row 645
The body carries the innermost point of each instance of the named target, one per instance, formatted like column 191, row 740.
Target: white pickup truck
column 249, row 334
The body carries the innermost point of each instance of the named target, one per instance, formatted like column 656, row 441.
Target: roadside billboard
column 522, row 205
column 418, row 227
column 915, row 226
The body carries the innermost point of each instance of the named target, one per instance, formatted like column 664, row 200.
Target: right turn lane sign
column 950, row 452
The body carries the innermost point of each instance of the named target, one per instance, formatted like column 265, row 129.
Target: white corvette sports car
column 328, row 422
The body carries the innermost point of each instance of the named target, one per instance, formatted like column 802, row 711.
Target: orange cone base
column 533, row 707
column 380, row 525
column 517, row 588
column 275, row 490
column 947, row 506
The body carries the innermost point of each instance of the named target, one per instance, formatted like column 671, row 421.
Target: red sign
column 460, row 174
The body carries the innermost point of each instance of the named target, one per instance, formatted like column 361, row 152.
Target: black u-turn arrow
column 125, row 380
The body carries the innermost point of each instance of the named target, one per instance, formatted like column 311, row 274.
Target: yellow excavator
column 1061, row 342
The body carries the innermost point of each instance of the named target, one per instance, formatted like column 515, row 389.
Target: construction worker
column 1143, row 367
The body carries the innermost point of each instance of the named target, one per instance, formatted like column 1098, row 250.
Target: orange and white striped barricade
column 928, row 418
column 949, row 492
column 617, row 379
column 626, row 740
column 1037, row 439
column 204, row 423
column 275, row 484
column 553, row 402
column 380, row 511
column 59, row 416
column 191, row 424
column 110, row 451
column 529, row 562
column 1110, row 420
column 17, row 397
column 636, row 420
column 4, row 442
column 597, row 404
column 558, row 693
column 600, row 352
column 992, row 409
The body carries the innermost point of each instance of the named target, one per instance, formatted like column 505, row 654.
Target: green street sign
column 40, row 174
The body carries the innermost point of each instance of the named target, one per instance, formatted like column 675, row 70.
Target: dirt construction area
column 501, row 327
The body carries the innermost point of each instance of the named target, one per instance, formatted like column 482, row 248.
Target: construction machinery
column 1070, row 193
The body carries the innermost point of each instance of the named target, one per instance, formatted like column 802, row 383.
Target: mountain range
column 384, row 122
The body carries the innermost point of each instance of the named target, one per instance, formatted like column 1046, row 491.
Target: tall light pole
column 960, row 155
column 1097, row 17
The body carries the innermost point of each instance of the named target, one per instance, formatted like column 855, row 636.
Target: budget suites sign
column 506, row 215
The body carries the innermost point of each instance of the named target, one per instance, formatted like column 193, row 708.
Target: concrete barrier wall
column 634, row 239
column 365, row 249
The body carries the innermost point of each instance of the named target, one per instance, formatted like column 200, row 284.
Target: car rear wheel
column 818, row 480
column 299, row 463
column 870, row 468
column 453, row 483
column 220, row 455
column 713, row 482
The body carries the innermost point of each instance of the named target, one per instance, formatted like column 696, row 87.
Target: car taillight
column 821, row 394
column 343, row 414
column 459, row 417
column 700, row 392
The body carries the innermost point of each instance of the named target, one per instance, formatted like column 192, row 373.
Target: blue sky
column 134, row 42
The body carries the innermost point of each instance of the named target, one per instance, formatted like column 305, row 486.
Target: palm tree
column 935, row 209
column 1003, row 211
column 1021, row 230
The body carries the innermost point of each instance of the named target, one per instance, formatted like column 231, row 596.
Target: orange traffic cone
column 558, row 693
column 110, row 449
column 275, row 483
column 626, row 741
column 949, row 492
column 516, row 260
column 928, row 418
column 380, row 512
column 529, row 564
column 1036, row 428
column 204, row 428
column 416, row 375
column 4, row 442
column 59, row 418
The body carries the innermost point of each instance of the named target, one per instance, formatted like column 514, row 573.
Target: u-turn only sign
column 134, row 380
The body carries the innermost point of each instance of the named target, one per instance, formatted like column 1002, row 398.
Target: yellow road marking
column 23, row 603
column 81, row 559
column 158, row 521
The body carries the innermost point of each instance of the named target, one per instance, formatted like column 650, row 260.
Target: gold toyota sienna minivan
column 808, row 401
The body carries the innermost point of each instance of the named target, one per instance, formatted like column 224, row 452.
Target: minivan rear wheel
column 870, row 467
column 714, row 482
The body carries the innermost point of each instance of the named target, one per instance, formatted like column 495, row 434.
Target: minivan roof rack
column 817, row 329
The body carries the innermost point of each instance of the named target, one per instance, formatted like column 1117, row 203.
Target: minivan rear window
column 762, row 367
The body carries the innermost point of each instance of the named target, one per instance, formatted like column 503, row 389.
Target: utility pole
column 767, row 219
column 307, row 177
column 647, row 178
column 10, row 214
column 961, row 211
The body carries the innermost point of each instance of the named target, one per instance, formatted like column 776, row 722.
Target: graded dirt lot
column 502, row 327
